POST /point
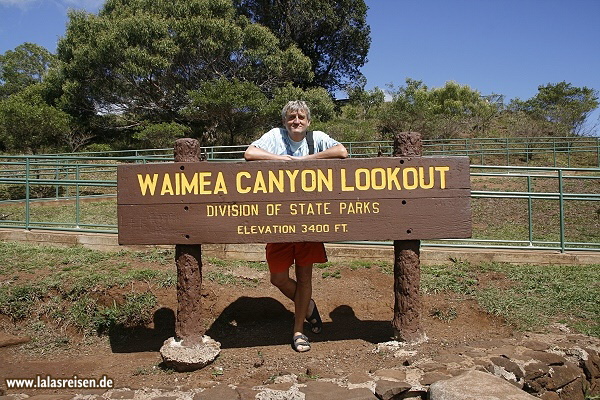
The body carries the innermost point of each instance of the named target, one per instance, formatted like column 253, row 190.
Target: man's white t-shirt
column 278, row 141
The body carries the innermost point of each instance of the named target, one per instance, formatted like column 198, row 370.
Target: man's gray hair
column 294, row 106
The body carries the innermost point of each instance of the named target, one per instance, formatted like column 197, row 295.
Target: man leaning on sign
column 295, row 142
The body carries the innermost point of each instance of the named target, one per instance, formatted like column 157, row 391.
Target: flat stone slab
column 476, row 385
column 182, row 358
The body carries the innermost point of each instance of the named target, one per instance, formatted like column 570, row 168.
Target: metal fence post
column 561, row 209
column 530, row 210
column 77, row 206
column 27, row 189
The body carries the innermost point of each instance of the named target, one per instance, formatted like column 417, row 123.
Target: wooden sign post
column 407, row 263
column 406, row 198
column 188, row 259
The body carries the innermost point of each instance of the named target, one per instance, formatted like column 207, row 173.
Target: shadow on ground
column 139, row 338
column 264, row 321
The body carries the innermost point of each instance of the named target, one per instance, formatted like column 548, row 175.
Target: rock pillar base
column 183, row 358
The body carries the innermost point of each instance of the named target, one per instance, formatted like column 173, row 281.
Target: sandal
column 316, row 324
column 300, row 340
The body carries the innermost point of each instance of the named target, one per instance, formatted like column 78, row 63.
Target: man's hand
column 254, row 153
column 337, row 151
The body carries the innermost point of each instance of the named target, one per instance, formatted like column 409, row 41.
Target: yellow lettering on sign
column 359, row 207
column 204, row 182
column 310, row 208
column 231, row 210
column 259, row 183
column 292, row 175
column 442, row 171
column 422, row 183
column 414, row 180
column 167, row 186
column 358, row 176
column 392, row 178
column 265, row 229
column 345, row 187
column 326, row 181
column 189, row 186
column 378, row 181
column 304, row 180
column 238, row 182
column 220, row 186
column 276, row 181
column 147, row 183
column 291, row 181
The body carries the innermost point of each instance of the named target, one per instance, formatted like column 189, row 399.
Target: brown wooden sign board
column 385, row 198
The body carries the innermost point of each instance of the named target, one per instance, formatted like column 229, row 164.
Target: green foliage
column 88, row 315
column 450, row 111
column 29, row 124
column 365, row 102
column 162, row 134
column 24, row 66
column 232, row 108
column 349, row 130
column 322, row 107
column 140, row 59
column 227, row 278
column 334, row 34
column 562, row 105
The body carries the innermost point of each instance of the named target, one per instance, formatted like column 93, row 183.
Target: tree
column 322, row 107
column 334, row 34
column 408, row 110
column 25, row 65
column 444, row 112
column 234, row 109
column 139, row 59
column 563, row 105
column 162, row 134
column 365, row 100
column 28, row 124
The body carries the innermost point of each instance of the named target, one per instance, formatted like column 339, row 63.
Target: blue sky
column 507, row 47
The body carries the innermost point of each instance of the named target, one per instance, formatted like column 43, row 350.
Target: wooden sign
column 385, row 198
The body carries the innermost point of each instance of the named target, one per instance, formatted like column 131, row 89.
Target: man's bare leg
column 302, row 296
column 300, row 291
column 287, row 286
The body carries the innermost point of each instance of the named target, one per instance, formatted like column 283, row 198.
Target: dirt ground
column 253, row 324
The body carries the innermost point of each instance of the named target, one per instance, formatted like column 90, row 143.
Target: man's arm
column 254, row 153
column 337, row 151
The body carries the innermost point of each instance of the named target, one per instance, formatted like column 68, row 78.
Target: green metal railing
column 554, row 208
column 571, row 151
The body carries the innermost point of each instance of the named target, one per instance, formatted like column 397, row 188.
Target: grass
column 528, row 296
column 47, row 287
column 542, row 295
column 70, row 285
